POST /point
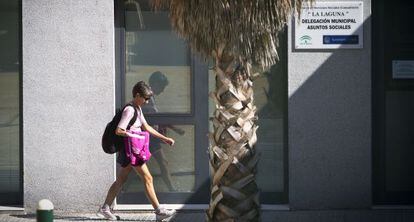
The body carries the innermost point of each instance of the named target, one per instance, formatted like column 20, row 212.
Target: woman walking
column 141, row 93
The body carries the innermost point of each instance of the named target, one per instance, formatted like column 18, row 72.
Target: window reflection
column 269, row 99
column 170, row 96
column 151, row 49
column 10, row 193
column 156, row 55
column 173, row 168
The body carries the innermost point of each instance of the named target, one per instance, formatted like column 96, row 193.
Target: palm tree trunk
column 233, row 157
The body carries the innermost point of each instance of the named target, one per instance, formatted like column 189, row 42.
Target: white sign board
column 403, row 69
column 330, row 25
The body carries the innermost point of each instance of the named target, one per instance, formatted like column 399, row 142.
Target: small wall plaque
column 403, row 69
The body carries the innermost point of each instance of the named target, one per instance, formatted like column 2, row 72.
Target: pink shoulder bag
column 137, row 147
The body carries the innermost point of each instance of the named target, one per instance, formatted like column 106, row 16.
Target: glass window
column 152, row 52
column 10, row 177
column 269, row 99
column 399, row 123
column 155, row 54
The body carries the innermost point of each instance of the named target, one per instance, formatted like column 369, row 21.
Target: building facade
column 335, row 123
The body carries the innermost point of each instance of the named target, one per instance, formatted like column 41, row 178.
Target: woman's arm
column 127, row 115
column 155, row 133
column 121, row 132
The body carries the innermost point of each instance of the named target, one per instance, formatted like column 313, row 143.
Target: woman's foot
column 162, row 213
column 105, row 212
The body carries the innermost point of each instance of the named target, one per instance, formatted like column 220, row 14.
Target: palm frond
column 247, row 28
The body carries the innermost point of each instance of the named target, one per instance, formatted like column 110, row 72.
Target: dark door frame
column 198, row 117
column 382, row 55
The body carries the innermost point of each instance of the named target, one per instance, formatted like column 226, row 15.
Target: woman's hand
column 121, row 132
column 169, row 141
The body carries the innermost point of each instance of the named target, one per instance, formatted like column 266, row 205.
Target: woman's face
column 140, row 100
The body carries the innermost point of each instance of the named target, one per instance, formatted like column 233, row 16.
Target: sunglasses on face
column 146, row 98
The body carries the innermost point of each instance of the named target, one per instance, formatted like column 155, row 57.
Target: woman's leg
column 146, row 177
column 117, row 185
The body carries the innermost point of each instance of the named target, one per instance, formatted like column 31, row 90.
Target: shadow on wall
column 330, row 127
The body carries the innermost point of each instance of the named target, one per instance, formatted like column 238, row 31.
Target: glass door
column 393, row 102
column 149, row 50
column 10, row 152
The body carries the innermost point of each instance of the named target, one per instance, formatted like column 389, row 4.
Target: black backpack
column 112, row 143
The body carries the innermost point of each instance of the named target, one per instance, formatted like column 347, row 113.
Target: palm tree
column 235, row 34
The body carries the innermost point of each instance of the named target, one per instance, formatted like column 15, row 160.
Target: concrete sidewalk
column 385, row 215
column 191, row 216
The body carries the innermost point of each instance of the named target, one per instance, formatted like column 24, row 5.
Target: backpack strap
column 134, row 118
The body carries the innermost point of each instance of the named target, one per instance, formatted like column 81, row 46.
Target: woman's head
column 158, row 81
column 142, row 89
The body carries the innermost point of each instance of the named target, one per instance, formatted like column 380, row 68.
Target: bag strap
column 134, row 118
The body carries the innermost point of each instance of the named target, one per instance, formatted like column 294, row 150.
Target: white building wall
column 329, row 125
column 68, row 96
